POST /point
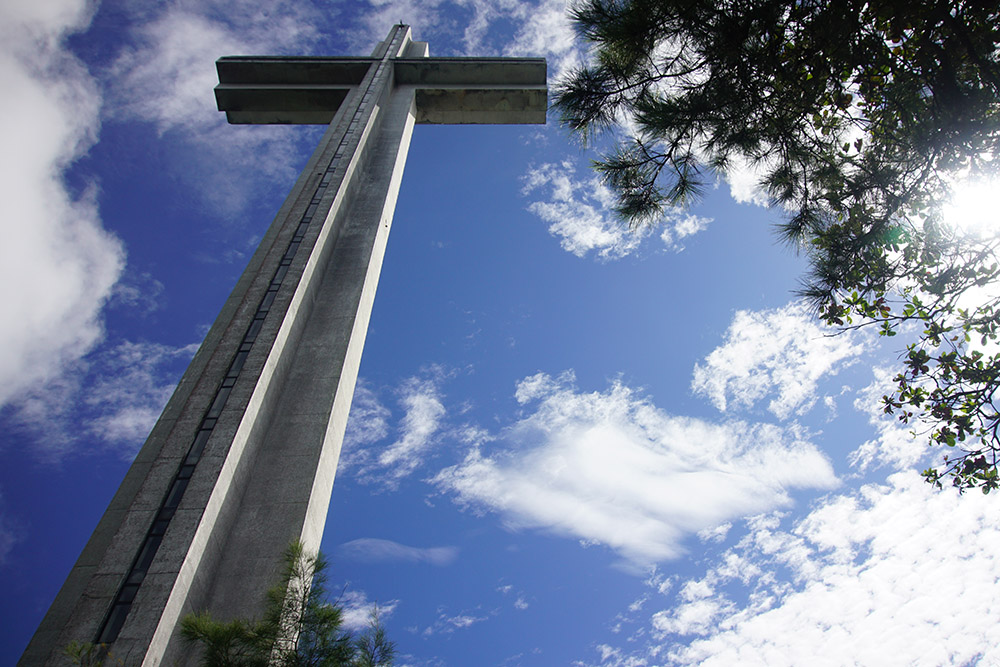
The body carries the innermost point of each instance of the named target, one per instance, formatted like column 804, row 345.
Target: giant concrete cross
column 242, row 460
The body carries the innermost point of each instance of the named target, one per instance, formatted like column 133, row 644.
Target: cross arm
column 283, row 89
column 476, row 90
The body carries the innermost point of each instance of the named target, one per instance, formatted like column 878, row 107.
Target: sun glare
column 974, row 208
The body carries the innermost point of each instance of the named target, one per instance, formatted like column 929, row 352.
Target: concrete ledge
column 269, row 103
column 292, row 69
column 472, row 72
column 494, row 106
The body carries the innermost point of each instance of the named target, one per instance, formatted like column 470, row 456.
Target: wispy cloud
column 486, row 27
column 10, row 533
column 166, row 78
column 58, row 261
column 370, row 549
column 114, row 396
column 367, row 424
column 780, row 353
column 448, row 623
column 416, row 432
column 613, row 468
column 421, row 399
column 357, row 610
column 579, row 210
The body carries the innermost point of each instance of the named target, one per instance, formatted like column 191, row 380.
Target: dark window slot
column 176, row 493
column 219, row 402
column 113, row 624
column 265, row 304
column 252, row 332
column 145, row 559
column 128, row 593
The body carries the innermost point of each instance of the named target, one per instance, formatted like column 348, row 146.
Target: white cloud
column 421, row 399
column 682, row 227
column 613, row 468
column 367, row 423
column 168, row 76
column 580, row 212
column 371, row 549
column 357, row 610
column 545, row 30
column 423, row 16
column 114, row 396
column 447, row 624
column 58, row 262
column 893, row 574
column 487, row 28
column 417, row 431
column 781, row 352
column 894, row 443
column 744, row 182
column 715, row 533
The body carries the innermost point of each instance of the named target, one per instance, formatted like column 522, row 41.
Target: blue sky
column 571, row 444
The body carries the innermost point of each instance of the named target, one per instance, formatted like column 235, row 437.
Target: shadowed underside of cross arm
column 309, row 90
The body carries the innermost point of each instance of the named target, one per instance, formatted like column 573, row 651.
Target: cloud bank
column 57, row 260
column 895, row 573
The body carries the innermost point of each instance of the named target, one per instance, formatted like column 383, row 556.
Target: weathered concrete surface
column 255, row 426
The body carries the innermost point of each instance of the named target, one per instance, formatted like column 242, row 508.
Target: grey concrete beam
column 474, row 106
column 274, row 103
column 292, row 70
column 472, row 72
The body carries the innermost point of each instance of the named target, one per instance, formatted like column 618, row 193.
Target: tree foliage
column 299, row 627
column 860, row 117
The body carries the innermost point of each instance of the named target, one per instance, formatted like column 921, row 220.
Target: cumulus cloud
column 614, row 469
column 680, row 228
column 115, row 396
column 370, row 549
column 744, row 182
column 892, row 574
column 580, row 213
column 58, row 261
column 780, row 353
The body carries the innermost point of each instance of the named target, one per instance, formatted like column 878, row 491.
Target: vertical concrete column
column 243, row 458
